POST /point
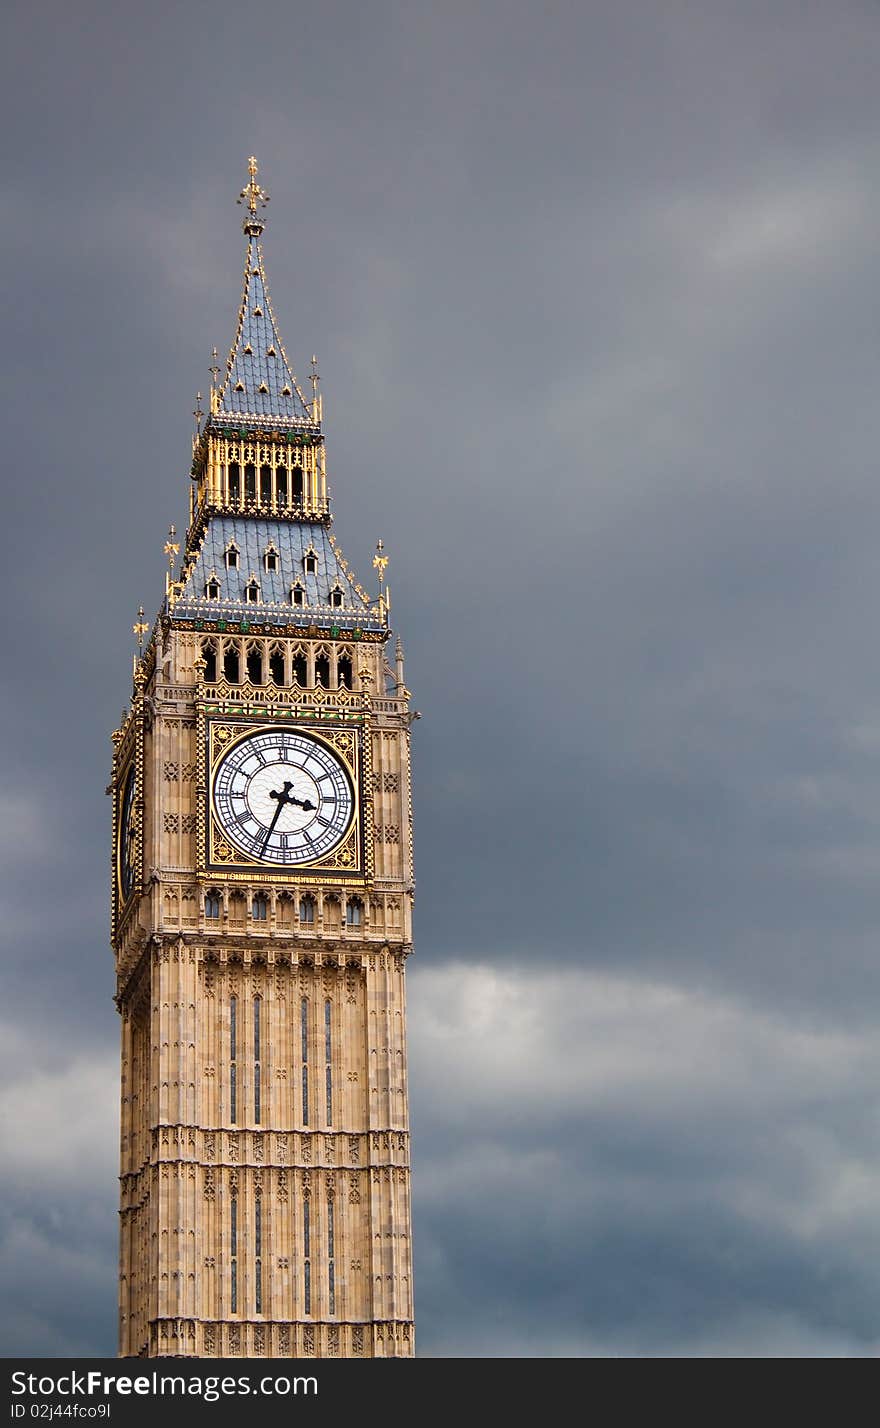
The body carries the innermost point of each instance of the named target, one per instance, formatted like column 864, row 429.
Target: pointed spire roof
column 259, row 383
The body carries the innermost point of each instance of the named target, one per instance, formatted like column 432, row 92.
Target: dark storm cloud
column 592, row 289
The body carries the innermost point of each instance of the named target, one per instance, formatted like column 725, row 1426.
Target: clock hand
column 283, row 798
column 286, row 797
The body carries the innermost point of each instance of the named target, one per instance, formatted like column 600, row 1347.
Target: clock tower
column 262, row 889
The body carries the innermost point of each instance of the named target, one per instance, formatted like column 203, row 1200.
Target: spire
column 259, row 383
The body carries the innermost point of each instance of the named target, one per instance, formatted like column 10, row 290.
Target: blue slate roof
column 292, row 540
column 259, row 380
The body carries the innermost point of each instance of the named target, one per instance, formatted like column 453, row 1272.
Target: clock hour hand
column 283, row 798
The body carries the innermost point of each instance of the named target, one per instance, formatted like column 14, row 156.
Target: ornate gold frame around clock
column 128, row 758
column 351, row 859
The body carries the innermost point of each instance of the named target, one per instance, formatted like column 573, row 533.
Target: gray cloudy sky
column 594, row 287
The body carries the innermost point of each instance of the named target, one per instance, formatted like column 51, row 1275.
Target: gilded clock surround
column 346, row 859
column 265, row 1183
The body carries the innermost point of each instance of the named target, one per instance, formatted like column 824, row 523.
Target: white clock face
column 283, row 797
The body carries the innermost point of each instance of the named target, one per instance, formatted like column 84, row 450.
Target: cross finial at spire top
column 252, row 192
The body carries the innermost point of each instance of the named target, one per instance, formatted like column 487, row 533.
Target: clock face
column 127, row 836
column 282, row 797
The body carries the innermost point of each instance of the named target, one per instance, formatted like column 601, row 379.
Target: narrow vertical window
column 233, row 1032
column 327, row 1058
column 304, row 1057
column 331, row 1257
column 307, row 1252
column 233, row 1254
column 258, row 1254
column 258, row 1003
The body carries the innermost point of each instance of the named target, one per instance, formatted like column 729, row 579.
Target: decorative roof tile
column 291, row 541
column 259, row 381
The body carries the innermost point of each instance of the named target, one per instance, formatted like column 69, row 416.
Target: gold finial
column 172, row 548
column 380, row 561
column 252, row 192
column 140, row 628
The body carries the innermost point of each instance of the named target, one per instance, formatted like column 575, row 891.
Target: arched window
column 297, row 594
column 297, row 485
column 260, row 907
column 233, row 1247
column 307, row 909
column 233, row 1068
column 310, row 562
column 276, row 667
column 258, row 1226
column 258, row 1007
column 212, row 905
column 255, row 665
column 328, row 1087
column 281, row 485
column 336, row 597
column 212, row 588
column 331, row 1237
column 252, row 592
column 234, row 483
column 270, row 559
column 344, row 672
column 250, row 483
column 300, row 670
column 353, row 912
column 265, row 485
column 232, row 556
column 304, row 1057
column 209, row 655
column 322, row 670
column 230, row 665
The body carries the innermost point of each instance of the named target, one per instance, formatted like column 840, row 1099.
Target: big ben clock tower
column 262, row 906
